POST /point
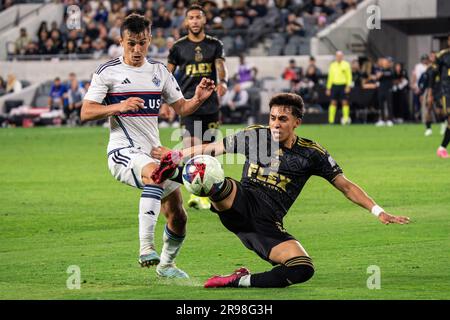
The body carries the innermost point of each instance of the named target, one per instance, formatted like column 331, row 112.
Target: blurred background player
column 432, row 97
column 132, row 89
column 443, row 63
column 338, row 88
column 255, row 207
column 195, row 56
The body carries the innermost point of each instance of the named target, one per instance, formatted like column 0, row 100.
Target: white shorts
column 126, row 165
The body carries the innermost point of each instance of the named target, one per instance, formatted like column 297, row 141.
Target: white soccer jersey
column 116, row 81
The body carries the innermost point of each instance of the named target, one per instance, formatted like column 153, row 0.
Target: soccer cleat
column 147, row 260
column 428, row 132
column 442, row 153
column 170, row 271
column 205, row 204
column 167, row 167
column 380, row 123
column 231, row 280
column 199, row 203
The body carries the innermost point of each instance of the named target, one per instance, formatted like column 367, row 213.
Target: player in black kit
column 199, row 55
column 443, row 62
column 254, row 208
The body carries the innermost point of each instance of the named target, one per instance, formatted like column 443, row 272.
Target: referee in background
column 338, row 88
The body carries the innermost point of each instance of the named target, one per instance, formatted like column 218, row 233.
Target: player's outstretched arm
column 202, row 92
column 92, row 110
column 213, row 149
column 357, row 195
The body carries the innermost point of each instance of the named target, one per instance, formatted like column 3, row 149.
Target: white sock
column 244, row 281
column 171, row 247
column 149, row 208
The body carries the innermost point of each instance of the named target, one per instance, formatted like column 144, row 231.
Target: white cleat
column 389, row 123
column 171, row 271
column 379, row 123
column 428, row 132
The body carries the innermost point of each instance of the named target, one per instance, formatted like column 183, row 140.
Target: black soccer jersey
column 196, row 60
column 443, row 62
column 433, row 80
column 276, row 172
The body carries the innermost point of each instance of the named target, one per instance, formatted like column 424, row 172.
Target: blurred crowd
column 242, row 20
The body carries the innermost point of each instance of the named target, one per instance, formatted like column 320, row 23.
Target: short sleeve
column 173, row 56
column 325, row 166
column 244, row 142
column 97, row 90
column 171, row 91
column 220, row 52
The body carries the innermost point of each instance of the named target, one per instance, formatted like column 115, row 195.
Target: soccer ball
column 203, row 175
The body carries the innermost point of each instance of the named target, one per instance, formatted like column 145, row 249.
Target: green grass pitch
column 59, row 207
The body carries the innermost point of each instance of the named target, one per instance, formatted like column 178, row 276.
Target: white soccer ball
column 203, row 175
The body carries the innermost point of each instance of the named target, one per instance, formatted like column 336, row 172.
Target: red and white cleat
column 231, row 280
column 167, row 167
column 442, row 153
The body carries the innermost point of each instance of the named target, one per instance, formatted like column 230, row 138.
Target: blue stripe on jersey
column 112, row 151
column 152, row 102
column 118, row 161
column 107, row 64
column 122, row 157
column 124, row 130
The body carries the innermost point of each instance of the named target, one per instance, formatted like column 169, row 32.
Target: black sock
column 295, row 270
column 446, row 140
column 224, row 191
column 428, row 124
column 179, row 177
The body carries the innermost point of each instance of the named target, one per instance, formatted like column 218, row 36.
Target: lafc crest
column 198, row 54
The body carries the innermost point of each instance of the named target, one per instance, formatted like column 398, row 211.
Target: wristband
column 376, row 210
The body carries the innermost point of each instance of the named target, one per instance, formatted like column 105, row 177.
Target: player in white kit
column 129, row 91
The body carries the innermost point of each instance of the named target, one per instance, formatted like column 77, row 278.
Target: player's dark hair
column 196, row 6
column 135, row 24
column 290, row 100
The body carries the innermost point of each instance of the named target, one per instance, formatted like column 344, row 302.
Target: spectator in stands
column 318, row 7
column 32, row 49
column 312, row 63
column 246, row 73
column 56, row 95
column 42, row 27
column 12, row 84
column 158, row 39
column 258, row 9
column 241, row 23
column 70, row 49
column 43, row 37
column 312, row 75
column 99, row 48
column 101, row 14
column 294, row 25
column 162, row 20
column 49, row 48
column 164, row 52
column 22, row 41
column 117, row 11
column 385, row 77
column 55, row 35
column 236, row 98
column 400, row 93
column 347, row 5
column 418, row 70
column 115, row 50
column 338, row 88
column 86, row 46
column 292, row 72
column 2, row 86
column 217, row 24
column 75, row 100
column 92, row 30
column 115, row 29
column 178, row 17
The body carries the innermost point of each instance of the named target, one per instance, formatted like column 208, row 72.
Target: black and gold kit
column 196, row 60
column 443, row 62
column 272, row 178
column 434, row 81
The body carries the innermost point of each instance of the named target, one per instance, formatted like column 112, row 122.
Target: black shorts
column 204, row 127
column 338, row 92
column 445, row 102
column 254, row 222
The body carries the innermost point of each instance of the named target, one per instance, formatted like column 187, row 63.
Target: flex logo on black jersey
column 267, row 176
column 199, row 69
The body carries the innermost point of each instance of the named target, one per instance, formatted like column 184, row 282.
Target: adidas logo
column 151, row 212
column 126, row 81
